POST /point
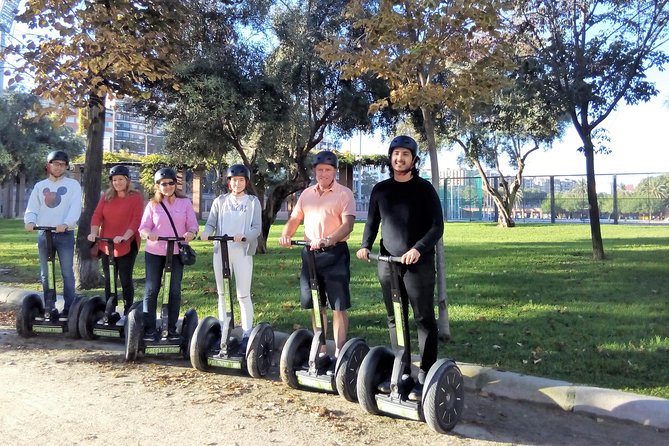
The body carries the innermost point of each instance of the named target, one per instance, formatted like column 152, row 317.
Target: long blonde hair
column 111, row 193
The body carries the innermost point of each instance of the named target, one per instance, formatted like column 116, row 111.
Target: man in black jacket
column 412, row 217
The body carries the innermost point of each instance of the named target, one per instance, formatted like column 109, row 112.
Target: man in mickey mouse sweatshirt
column 56, row 202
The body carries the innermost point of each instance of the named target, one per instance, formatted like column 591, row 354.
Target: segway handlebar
column 223, row 238
column 105, row 239
column 172, row 239
column 303, row 243
column 381, row 258
column 44, row 228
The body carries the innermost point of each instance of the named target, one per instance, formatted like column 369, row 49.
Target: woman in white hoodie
column 237, row 215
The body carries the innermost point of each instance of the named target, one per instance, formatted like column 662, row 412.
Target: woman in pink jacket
column 156, row 223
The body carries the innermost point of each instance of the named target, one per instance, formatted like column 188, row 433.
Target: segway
column 300, row 362
column 212, row 349
column 442, row 400
column 42, row 316
column 99, row 317
column 134, row 333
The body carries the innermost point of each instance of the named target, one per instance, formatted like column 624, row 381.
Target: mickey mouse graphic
column 52, row 199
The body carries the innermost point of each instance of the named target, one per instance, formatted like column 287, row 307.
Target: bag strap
column 171, row 222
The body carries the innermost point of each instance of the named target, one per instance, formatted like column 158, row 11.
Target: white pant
column 241, row 266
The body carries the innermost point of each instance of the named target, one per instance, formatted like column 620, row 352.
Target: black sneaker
column 63, row 314
column 384, row 386
column 323, row 361
column 243, row 345
column 416, row 393
column 173, row 336
column 149, row 336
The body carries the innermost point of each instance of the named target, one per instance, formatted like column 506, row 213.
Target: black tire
column 374, row 369
column 206, row 339
column 91, row 311
column 348, row 365
column 443, row 396
column 31, row 307
column 187, row 329
column 260, row 350
column 73, row 317
column 294, row 354
column 133, row 334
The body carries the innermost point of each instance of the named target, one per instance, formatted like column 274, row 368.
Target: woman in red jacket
column 117, row 216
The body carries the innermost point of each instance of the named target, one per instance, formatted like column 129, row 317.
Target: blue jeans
column 63, row 244
column 154, row 273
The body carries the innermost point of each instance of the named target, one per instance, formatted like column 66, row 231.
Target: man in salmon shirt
column 328, row 212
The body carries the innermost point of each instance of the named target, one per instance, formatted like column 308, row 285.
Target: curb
column 594, row 401
column 570, row 397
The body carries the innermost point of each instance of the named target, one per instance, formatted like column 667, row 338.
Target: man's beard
column 401, row 169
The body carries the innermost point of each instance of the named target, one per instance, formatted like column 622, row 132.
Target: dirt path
column 79, row 392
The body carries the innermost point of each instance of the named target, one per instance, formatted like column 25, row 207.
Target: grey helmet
column 406, row 142
column 325, row 157
column 164, row 174
column 119, row 170
column 239, row 170
column 58, row 155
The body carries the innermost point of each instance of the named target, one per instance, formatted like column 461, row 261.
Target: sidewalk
column 594, row 401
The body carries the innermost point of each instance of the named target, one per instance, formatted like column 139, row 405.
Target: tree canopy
column 595, row 54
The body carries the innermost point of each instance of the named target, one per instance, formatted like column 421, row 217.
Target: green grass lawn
column 528, row 299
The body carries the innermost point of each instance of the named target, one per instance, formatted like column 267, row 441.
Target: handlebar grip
column 174, row 239
column 223, row 238
column 382, row 258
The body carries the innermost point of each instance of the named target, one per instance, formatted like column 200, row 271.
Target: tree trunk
column 277, row 196
column 442, row 298
column 87, row 268
column 593, row 205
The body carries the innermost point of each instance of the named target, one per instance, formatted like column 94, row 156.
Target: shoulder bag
column 187, row 254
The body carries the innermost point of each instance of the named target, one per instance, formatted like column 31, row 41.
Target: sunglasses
column 167, row 183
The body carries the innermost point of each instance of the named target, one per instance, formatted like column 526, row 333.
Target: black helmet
column 406, row 142
column 119, row 170
column 239, row 170
column 325, row 157
column 58, row 155
column 165, row 174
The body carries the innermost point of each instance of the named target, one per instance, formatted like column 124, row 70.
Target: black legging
column 418, row 281
column 126, row 265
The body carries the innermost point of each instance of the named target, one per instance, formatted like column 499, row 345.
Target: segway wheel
column 348, row 364
column 134, row 328
column 91, row 311
column 187, row 329
column 374, row 369
column 443, row 396
column 206, row 339
column 260, row 351
column 73, row 317
column 294, row 354
column 31, row 307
